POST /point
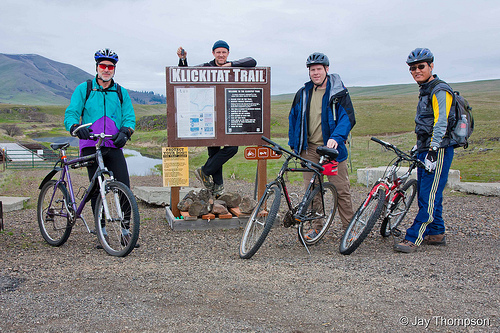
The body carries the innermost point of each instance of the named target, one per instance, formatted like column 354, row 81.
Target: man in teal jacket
column 322, row 115
column 110, row 111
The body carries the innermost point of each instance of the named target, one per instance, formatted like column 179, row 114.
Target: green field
column 386, row 111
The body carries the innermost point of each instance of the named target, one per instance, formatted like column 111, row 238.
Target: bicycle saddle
column 332, row 153
column 56, row 146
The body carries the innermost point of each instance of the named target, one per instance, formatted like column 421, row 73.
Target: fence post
column 1, row 216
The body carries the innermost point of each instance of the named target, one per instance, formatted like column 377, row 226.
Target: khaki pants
column 340, row 181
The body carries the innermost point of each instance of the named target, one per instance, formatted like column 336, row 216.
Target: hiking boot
column 313, row 233
column 99, row 245
column 435, row 239
column 125, row 239
column 218, row 190
column 204, row 179
column 406, row 247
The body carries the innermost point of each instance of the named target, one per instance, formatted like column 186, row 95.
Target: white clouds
column 367, row 41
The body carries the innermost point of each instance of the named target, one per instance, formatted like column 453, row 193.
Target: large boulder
column 232, row 200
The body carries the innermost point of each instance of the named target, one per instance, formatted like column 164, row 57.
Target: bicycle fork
column 102, row 190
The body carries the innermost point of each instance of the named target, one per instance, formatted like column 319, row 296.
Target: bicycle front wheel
column 317, row 216
column 400, row 208
column 118, row 232
column 362, row 222
column 260, row 222
column 52, row 213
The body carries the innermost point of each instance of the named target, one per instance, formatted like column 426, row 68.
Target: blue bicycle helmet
column 106, row 54
column 317, row 58
column 420, row 55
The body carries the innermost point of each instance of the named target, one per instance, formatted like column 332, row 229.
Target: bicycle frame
column 75, row 211
column 280, row 179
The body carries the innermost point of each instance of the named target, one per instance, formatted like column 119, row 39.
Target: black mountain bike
column 318, row 203
column 116, row 213
column 390, row 197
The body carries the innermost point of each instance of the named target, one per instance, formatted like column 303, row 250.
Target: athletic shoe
column 204, row 179
column 99, row 245
column 313, row 233
column 406, row 247
column 218, row 190
column 435, row 239
column 124, row 239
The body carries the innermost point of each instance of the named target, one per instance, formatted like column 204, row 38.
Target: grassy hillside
column 30, row 79
column 378, row 113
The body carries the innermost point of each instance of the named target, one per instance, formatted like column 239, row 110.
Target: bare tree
column 12, row 129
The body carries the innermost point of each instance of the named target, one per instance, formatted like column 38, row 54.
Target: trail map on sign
column 195, row 112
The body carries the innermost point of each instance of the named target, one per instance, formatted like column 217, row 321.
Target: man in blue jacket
column 110, row 111
column 322, row 115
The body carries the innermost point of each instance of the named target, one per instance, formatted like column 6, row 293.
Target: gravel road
column 194, row 281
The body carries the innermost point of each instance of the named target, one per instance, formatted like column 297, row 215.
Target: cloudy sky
column 367, row 41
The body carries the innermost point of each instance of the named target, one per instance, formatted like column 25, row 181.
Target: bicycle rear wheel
column 52, row 213
column 118, row 233
column 399, row 210
column 315, row 213
column 260, row 222
column 362, row 222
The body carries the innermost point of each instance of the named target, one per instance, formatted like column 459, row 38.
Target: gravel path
column 195, row 281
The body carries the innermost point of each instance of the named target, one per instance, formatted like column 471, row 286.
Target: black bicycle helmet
column 317, row 58
column 420, row 55
column 106, row 54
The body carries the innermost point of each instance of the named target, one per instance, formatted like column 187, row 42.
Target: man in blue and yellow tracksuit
column 435, row 149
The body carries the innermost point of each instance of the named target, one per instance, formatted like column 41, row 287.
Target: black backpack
column 89, row 89
column 461, row 125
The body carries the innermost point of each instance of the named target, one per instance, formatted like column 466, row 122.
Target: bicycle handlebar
column 280, row 149
column 94, row 137
column 400, row 153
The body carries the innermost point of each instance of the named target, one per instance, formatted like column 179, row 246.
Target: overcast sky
column 367, row 41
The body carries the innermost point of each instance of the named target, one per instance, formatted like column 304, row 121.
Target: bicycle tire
column 122, row 230
column 362, row 222
column 260, row 222
column 52, row 213
column 330, row 199
column 401, row 208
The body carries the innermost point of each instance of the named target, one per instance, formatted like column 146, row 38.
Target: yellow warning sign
column 175, row 166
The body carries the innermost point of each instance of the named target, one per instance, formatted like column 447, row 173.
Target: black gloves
column 430, row 160
column 82, row 134
column 120, row 138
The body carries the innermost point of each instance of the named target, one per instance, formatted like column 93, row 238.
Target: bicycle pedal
column 396, row 232
column 93, row 232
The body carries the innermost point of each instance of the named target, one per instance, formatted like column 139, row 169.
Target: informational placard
column 218, row 106
column 175, row 166
column 195, row 112
column 244, row 112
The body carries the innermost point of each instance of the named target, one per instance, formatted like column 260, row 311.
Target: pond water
column 138, row 165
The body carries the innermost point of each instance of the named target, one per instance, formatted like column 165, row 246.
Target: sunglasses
column 110, row 67
column 414, row 68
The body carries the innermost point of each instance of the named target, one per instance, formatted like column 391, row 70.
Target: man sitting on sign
column 210, row 174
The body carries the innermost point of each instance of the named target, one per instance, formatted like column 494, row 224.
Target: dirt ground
column 194, row 281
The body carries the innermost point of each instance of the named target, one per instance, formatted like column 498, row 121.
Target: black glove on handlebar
column 120, row 138
column 82, row 134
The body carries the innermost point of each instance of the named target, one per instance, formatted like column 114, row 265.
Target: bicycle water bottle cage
column 331, row 153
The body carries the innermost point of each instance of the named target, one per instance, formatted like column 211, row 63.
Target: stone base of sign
column 158, row 195
column 206, row 222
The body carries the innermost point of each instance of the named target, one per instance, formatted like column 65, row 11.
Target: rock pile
column 203, row 204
